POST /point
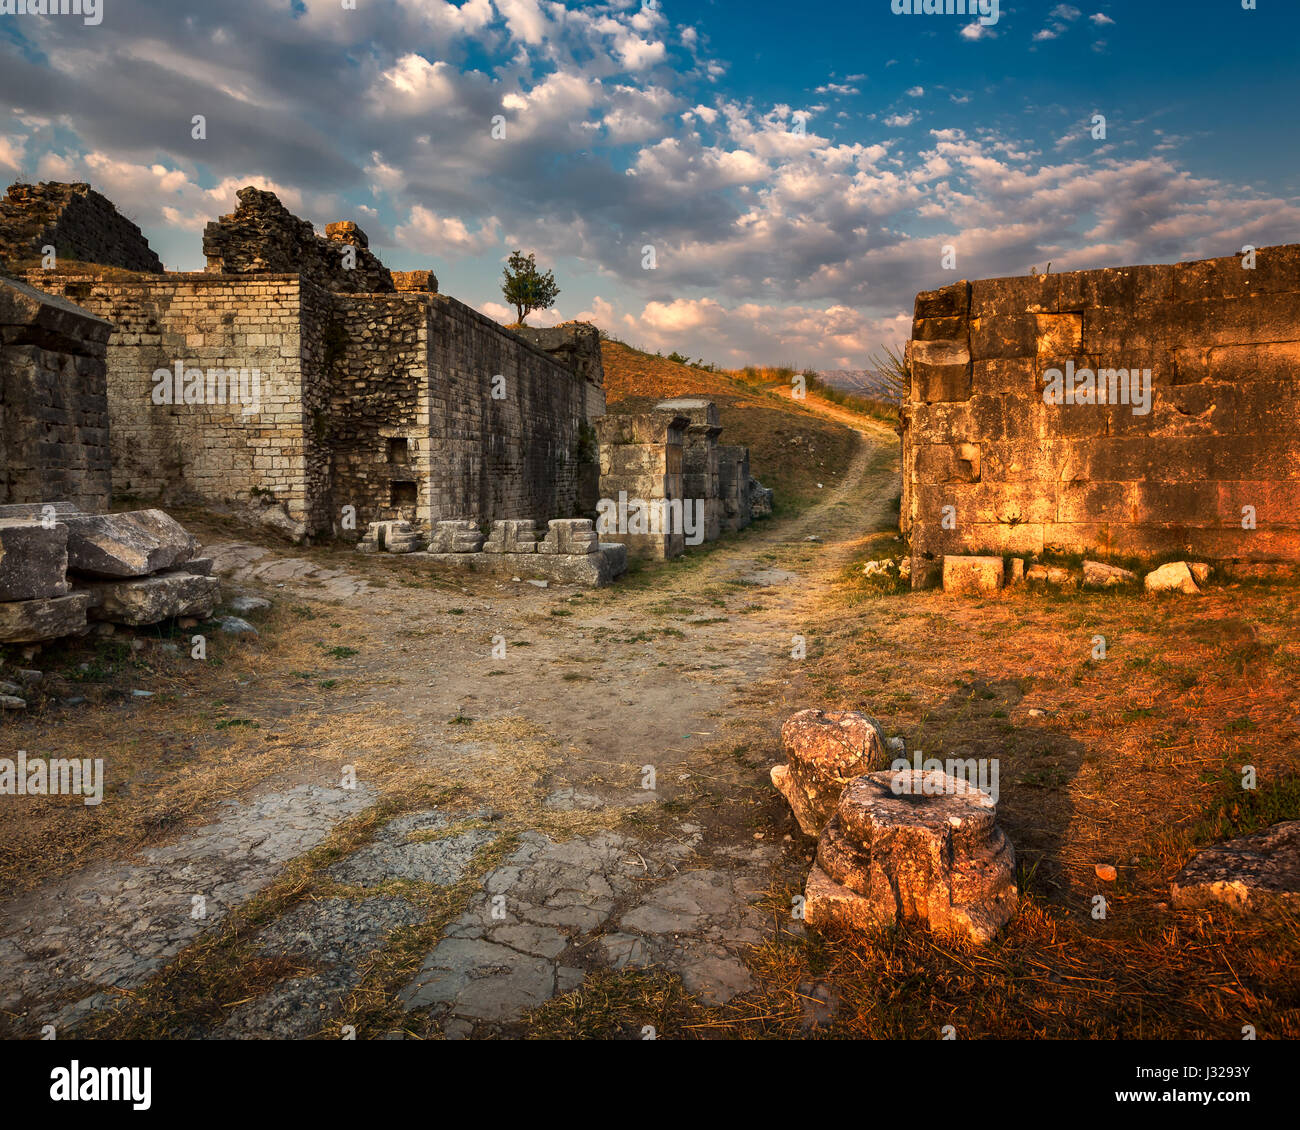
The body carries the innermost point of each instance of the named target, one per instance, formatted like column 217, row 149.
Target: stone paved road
column 540, row 903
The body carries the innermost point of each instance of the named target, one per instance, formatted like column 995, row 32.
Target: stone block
column 971, row 576
column 616, row 554
column 824, row 752
column 570, row 536
column 33, row 560
column 31, row 621
column 456, row 536
column 150, row 600
column 1098, row 575
column 1257, row 874
column 512, row 535
column 1174, row 576
column 132, row 544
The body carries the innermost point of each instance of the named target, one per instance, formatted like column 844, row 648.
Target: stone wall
column 641, row 463
column 733, row 484
column 513, row 455
column 700, row 458
column 179, row 452
column 53, row 401
column 76, row 221
column 993, row 432
column 398, row 404
column 576, row 345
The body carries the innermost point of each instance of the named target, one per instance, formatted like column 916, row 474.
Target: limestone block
column 1097, row 575
column 1049, row 575
column 31, row 621
column 570, row 536
column 394, row 536
column 512, row 535
column 33, row 560
column 616, row 554
column 824, row 752
column 1176, row 576
column 971, row 576
column 149, row 600
column 761, row 499
column 456, row 536
column 133, row 544
column 1257, row 874
column 915, row 845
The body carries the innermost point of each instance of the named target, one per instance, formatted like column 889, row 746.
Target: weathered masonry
column 1031, row 424
column 53, row 401
column 308, row 375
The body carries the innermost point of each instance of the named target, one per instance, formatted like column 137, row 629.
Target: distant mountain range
column 864, row 382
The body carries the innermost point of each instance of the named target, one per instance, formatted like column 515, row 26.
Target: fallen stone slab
column 32, row 621
column 918, row 845
column 824, row 752
column 1098, row 575
column 132, row 544
column 590, row 570
column 1049, row 575
column 12, row 702
column 971, row 576
column 150, row 600
column 1256, row 875
column 33, row 560
column 394, row 536
column 1176, row 576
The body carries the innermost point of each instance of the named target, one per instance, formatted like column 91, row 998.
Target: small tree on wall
column 526, row 288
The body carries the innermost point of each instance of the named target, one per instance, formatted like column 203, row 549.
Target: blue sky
column 797, row 169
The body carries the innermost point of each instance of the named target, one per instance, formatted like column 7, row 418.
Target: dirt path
column 548, row 783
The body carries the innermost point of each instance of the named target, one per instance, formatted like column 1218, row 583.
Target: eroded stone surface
column 112, row 925
column 915, row 845
column 824, row 752
column 1258, row 874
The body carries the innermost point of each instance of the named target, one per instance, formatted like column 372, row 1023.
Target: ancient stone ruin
column 60, row 569
column 1133, row 411
column 913, row 845
column 301, row 381
column 893, row 844
column 53, row 400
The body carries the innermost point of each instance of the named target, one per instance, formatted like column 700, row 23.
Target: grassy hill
column 791, row 448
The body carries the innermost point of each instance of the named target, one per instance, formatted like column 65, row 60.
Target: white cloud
column 427, row 232
column 898, row 121
column 1101, row 19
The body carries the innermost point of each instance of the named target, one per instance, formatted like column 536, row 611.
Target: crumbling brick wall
column 396, row 403
column 994, row 459
column 76, row 221
column 53, row 401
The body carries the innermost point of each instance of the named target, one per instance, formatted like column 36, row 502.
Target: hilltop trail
column 540, row 750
